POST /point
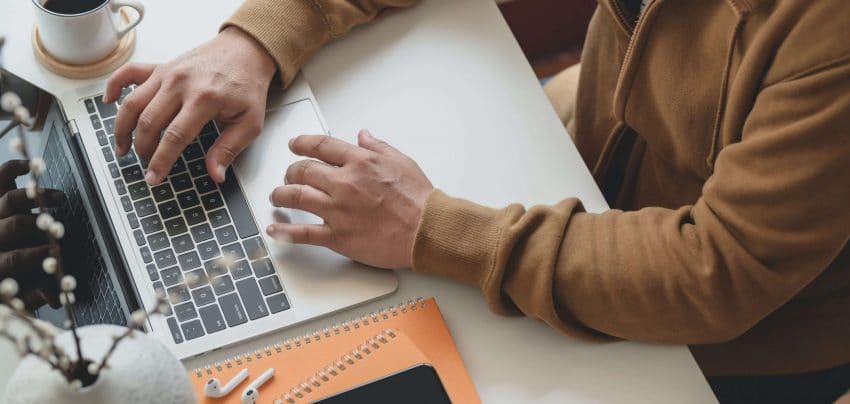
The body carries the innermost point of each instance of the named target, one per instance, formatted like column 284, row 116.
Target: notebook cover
column 297, row 359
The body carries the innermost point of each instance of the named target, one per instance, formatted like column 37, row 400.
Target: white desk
column 446, row 83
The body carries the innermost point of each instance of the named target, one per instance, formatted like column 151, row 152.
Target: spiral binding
column 289, row 344
column 340, row 365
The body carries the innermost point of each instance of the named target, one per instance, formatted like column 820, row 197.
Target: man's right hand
column 226, row 79
column 23, row 247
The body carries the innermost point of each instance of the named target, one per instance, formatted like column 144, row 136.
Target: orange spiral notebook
column 298, row 359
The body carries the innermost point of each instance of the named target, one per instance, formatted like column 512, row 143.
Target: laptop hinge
column 72, row 126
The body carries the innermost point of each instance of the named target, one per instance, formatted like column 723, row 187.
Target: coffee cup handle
column 116, row 7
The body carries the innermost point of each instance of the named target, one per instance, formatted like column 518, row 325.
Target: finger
column 128, row 114
column 133, row 73
column 304, row 197
column 325, row 148
column 233, row 140
column 311, row 172
column 156, row 116
column 182, row 131
column 20, row 231
column 16, row 201
column 25, row 265
column 312, row 234
column 369, row 142
column 9, row 171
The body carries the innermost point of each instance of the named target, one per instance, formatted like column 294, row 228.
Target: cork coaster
column 112, row 61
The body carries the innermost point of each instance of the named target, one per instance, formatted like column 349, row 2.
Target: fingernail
column 151, row 177
column 221, row 170
column 270, row 230
column 285, row 180
column 291, row 141
column 368, row 134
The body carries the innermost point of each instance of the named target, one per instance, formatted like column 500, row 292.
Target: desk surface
column 446, row 83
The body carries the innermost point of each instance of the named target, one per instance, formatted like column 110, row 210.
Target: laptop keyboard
column 198, row 239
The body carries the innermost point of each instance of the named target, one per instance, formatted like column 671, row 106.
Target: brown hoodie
column 719, row 131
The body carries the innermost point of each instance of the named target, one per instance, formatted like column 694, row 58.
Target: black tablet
column 419, row 384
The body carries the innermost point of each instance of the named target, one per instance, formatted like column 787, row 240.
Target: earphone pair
column 250, row 395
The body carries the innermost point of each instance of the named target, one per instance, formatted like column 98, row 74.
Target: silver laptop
column 127, row 241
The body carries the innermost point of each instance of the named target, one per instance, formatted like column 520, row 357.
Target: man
column 717, row 130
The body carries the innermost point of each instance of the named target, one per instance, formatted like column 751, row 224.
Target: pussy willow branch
column 12, row 125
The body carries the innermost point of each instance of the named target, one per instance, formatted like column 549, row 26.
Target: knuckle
column 226, row 151
column 206, row 95
column 146, row 122
column 179, row 74
column 320, row 144
column 176, row 135
column 132, row 103
column 297, row 195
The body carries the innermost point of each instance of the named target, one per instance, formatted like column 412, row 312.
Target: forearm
column 293, row 30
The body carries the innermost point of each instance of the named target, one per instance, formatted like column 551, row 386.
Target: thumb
column 369, row 142
column 233, row 140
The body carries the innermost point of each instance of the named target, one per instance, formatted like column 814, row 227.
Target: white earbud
column 252, row 393
column 214, row 389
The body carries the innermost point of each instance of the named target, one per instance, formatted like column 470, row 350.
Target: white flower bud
column 9, row 101
column 66, row 298
column 69, row 283
column 68, row 323
column 22, row 114
column 76, row 384
column 17, row 304
column 44, row 221
column 161, row 308
column 93, row 369
column 49, row 265
column 24, row 345
column 8, row 288
column 16, row 146
column 57, row 230
column 37, row 165
column 226, row 260
column 138, row 316
column 64, row 362
column 31, row 190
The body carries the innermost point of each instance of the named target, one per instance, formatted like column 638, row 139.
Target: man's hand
column 23, row 247
column 370, row 197
column 226, row 79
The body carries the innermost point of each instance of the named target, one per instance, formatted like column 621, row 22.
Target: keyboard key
column 233, row 251
column 222, row 285
column 152, row 272
column 89, row 105
column 114, row 171
column 106, row 110
column 240, row 269
column 205, row 184
column 128, row 159
column 196, row 278
column 219, row 218
column 95, row 122
column 181, row 182
column 160, row 290
column 178, row 294
column 165, row 258
column 158, row 241
column 145, row 207
column 226, row 235
column 209, row 129
column 132, row 174
column 151, row 224
column 109, row 126
column 198, row 168
column 185, row 311
column 262, row 267
column 175, row 330
column 176, row 226
column 171, row 276
column 140, row 238
column 208, row 250
column 212, row 201
column 215, row 268
column 178, row 167
column 194, row 216
column 270, row 285
column 192, row 330
column 188, row 199
column 139, row 190
column 182, row 243
column 107, row 154
column 255, row 248
column 134, row 221
column 169, row 209
column 201, row 233
column 126, row 204
column 189, row 260
column 238, row 206
column 207, row 142
column 101, row 137
column 203, row 296
column 193, row 152
column 212, row 319
column 250, row 294
column 119, row 186
column 146, row 255
column 162, row 192
column 234, row 314
column 278, row 303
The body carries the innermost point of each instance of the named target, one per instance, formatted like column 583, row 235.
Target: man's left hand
column 370, row 196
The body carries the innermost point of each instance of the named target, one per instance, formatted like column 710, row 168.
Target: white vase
column 140, row 371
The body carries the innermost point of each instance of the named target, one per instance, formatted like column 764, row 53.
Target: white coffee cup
column 86, row 37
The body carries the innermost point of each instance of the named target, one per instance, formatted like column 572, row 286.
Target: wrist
column 258, row 58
